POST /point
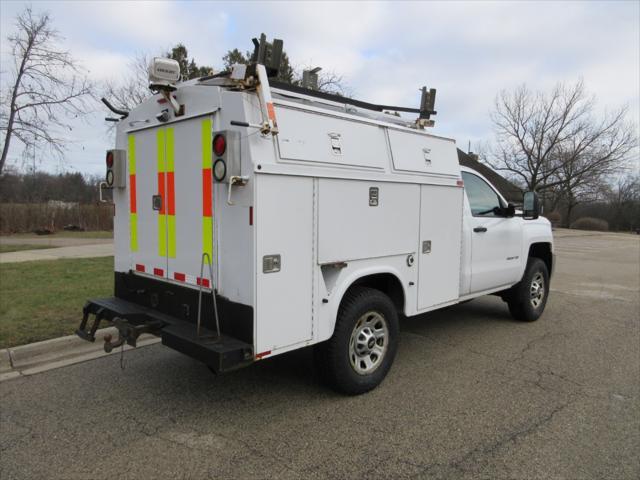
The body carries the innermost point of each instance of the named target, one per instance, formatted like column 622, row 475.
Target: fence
column 29, row 217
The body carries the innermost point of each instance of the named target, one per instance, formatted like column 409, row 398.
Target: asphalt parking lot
column 471, row 394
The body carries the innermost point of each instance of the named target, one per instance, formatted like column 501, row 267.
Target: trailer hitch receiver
column 129, row 332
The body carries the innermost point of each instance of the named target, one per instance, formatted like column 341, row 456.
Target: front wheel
column 360, row 353
column 528, row 298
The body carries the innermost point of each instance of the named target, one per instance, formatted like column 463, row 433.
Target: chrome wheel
column 368, row 343
column 536, row 291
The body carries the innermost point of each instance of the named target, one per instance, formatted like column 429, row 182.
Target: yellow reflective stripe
column 133, row 231
column 206, row 143
column 207, row 237
column 132, row 155
column 162, row 218
column 171, row 225
column 169, row 150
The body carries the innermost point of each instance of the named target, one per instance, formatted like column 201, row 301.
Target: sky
column 386, row 51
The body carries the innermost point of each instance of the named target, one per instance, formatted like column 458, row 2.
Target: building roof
column 508, row 190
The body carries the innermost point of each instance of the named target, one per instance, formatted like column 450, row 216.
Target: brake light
column 219, row 145
column 109, row 159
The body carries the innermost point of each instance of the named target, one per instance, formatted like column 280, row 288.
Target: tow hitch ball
column 128, row 333
column 109, row 345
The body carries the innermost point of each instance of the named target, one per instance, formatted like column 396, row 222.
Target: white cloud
column 386, row 51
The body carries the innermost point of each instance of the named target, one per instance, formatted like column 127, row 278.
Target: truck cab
column 254, row 218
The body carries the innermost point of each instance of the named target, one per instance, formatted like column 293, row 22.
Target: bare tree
column 552, row 141
column 330, row 82
column 47, row 89
column 132, row 88
column 624, row 203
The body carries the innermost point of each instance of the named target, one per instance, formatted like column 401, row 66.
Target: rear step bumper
column 131, row 319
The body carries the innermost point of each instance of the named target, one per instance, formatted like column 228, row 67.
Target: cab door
column 496, row 241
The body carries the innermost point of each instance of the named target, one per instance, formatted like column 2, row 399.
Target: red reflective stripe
column 171, row 197
column 263, row 354
column 203, row 281
column 206, row 192
column 159, row 272
column 139, row 268
column 132, row 193
column 179, row 276
column 460, row 183
column 271, row 112
column 250, row 215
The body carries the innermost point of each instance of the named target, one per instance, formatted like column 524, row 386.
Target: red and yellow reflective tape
column 207, row 183
column 171, row 196
column 133, row 207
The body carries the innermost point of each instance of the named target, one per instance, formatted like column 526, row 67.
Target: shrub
column 590, row 223
column 554, row 217
column 28, row 217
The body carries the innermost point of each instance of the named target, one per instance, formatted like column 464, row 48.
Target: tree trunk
column 12, row 107
column 570, row 205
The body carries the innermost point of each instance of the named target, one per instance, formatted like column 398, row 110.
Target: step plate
column 222, row 355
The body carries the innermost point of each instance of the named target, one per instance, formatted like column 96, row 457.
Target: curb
column 58, row 352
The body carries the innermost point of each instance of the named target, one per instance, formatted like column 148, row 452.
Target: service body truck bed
column 303, row 224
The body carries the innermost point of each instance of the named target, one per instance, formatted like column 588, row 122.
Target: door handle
column 480, row 229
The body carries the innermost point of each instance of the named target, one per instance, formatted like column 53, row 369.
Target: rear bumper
column 145, row 305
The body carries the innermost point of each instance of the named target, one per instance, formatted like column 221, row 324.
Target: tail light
column 219, row 145
column 116, row 168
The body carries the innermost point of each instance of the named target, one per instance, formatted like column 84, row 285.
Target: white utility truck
column 253, row 218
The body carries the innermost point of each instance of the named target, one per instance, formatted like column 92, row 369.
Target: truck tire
column 364, row 343
column 528, row 298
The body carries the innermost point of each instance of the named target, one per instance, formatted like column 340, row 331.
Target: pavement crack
column 512, row 436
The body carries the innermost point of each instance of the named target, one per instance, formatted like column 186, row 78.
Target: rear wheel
column 359, row 354
column 528, row 298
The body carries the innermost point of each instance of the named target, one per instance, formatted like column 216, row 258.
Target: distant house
column 508, row 190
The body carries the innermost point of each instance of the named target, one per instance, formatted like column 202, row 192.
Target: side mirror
column 530, row 206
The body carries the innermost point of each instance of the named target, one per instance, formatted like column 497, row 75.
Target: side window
column 482, row 198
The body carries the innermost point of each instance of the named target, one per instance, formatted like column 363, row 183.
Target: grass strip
column 44, row 299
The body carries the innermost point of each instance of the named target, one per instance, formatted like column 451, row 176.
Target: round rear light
column 219, row 170
column 219, row 145
column 109, row 159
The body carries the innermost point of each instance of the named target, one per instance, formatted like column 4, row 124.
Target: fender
column 329, row 311
column 534, row 232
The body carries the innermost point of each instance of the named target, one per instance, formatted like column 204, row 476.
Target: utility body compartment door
column 284, row 217
column 360, row 219
column 147, row 221
column 440, row 245
column 191, row 209
column 421, row 153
